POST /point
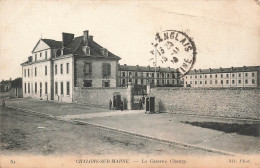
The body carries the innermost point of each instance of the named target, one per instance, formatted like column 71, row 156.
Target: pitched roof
column 145, row 68
column 95, row 49
column 52, row 43
column 224, row 70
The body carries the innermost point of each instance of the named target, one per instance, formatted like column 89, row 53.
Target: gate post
column 130, row 96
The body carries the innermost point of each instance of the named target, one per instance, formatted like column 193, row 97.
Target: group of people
column 121, row 105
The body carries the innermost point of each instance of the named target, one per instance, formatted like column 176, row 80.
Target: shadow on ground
column 241, row 129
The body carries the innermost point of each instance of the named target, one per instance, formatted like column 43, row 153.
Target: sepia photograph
column 108, row 83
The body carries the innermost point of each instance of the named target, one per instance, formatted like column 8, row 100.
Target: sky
column 226, row 32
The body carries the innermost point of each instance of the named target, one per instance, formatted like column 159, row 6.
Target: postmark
column 174, row 49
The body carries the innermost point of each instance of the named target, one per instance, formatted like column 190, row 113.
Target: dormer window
column 104, row 52
column 86, row 50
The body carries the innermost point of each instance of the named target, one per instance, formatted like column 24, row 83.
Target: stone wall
column 101, row 96
column 236, row 102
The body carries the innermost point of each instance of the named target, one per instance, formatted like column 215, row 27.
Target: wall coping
column 213, row 88
column 100, row 88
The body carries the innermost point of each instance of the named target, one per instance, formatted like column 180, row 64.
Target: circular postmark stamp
column 174, row 49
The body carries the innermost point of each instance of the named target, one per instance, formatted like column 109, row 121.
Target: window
column 216, row 76
column 233, row 75
column 210, row 82
column 35, row 69
column 205, row 76
column 158, row 82
column 253, row 81
column 106, row 83
column 221, row 82
column 190, row 82
column 200, row 76
column 68, row 88
column 239, row 81
column 106, row 70
column 200, row 82
column 168, row 75
column 130, row 80
column 40, row 54
column 56, row 69
column 56, row 87
column 195, row 82
column 152, row 81
column 87, row 69
column 239, row 75
column 136, row 81
column 28, row 72
column 24, row 87
column 45, row 70
column 130, row 74
column 163, row 82
column 246, row 74
column 46, row 87
column 35, row 88
column 233, row 81
column 123, row 81
column 163, row 75
column 67, row 67
column 123, row 73
column 61, row 68
column 221, row 75
column 28, row 87
column 141, row 74
column 157, row 75
column 135, row 73
column 147, row 75
column 35, row 57
column 191, row 77
column 46, row 54
column 210, row 76
column 61, row 88
column 153, row 75
column 87, row 83
column 205, row 82
column 253, row 74
column 227, row 81
column 216, row 81
column 195, row 76
column 25, row 73
column 227, row 75
column 246, row 81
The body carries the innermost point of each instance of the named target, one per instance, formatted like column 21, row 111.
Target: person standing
column 110, row 104
column 140, row 104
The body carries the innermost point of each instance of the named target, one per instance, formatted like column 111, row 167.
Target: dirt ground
column 23, row 133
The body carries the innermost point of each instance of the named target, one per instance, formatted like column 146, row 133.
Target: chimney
column 30, row 59
column 137, row 66
column 90, row 38
column 125, row 66
column 169, row 68
column 244, row 67
column 85, row 37
column 149, row 67
column 67, row 39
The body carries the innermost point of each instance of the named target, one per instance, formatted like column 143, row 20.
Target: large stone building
column 141, row 75
column 247, row 76
column 56, row 67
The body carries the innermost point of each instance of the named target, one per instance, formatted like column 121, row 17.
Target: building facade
column 141, row 75
column 247, row 76
column 56, row 67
